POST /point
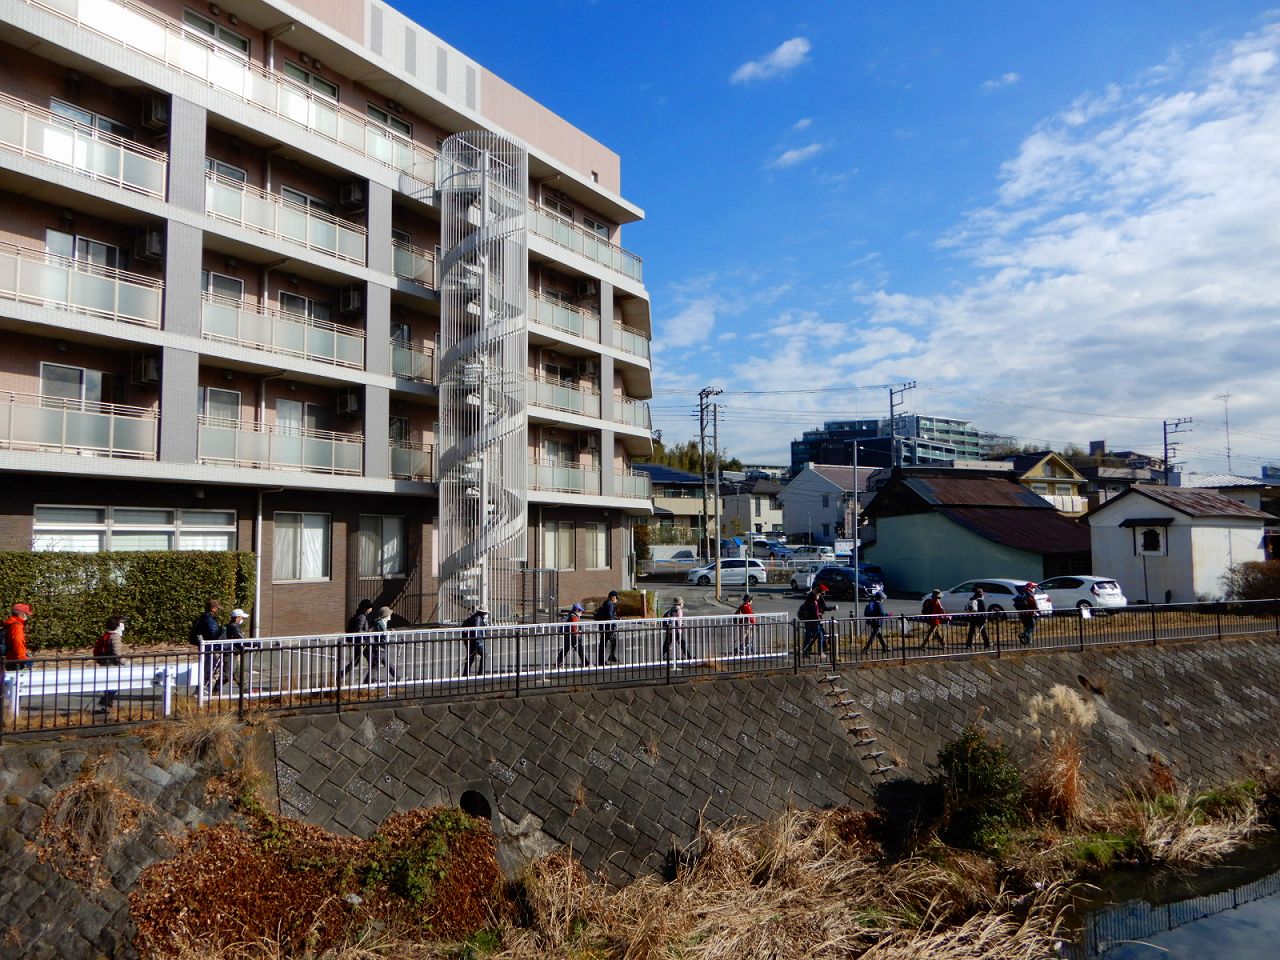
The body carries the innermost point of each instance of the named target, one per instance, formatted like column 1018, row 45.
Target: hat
column 613, row 593
column 22, row 608
column 879, row 594
column 937, row 592
column 237, row 612
column 577, row 608
column 482, row 609
column 823, row 587
column 1031, row 585
column 384, row 613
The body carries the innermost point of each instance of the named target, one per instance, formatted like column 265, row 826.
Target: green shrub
column 160, row 592
column 981, row 790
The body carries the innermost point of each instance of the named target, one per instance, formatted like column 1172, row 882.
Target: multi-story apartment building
column 220, row 276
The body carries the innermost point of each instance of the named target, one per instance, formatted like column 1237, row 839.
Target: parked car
column 999, row 595
column 802, row 578
column 1083, row 592
column 762, row 548
column 811, row 552
column 839, row 582
column 732, row 572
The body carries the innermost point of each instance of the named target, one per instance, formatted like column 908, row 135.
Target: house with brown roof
column 1174, row 543
column 937, row 527
column 821, row 501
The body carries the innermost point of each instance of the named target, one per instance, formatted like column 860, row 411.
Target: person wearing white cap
column 473, row 637
column 573, row 635
column 234, row 630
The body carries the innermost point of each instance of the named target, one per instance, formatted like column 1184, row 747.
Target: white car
column 802, row 579
column 1084, row 592
column 808, row 552
column 997, row 593
column 736, row 572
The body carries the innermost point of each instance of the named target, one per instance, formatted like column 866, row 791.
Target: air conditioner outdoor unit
column 146, row 370
column 155, row 114
column 588, row 288
column 352, row 299
column 353, row 193
column 588, row 441
column 148, row 244
column 348, row 402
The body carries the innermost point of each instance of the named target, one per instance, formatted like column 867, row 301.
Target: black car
column 839, row 582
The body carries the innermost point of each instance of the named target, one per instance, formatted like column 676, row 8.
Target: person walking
column 234, row 630
column 381, row 625
column 357, row 626
column 810, row 615
column 976, row 613
column 16, row 655
column 573, row 635
column 875, row 616
column 933, row 609
column 746, row 627
column 473, row 637
column 207, row 629
column 1025, row 604
column 673, row 630
column 109, row 652
column 607, row 614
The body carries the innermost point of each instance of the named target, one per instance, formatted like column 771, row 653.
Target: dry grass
column 194, row 735
column 1180, row 829
column 87, row 822
column 1057, row 790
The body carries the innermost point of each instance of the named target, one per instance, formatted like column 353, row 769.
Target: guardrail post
column 519, row 633
column 834, row 640
column 1218, row 611
column 795, row 646
column 337, row 677
column 902, row 639
column 1153, row 624
column 1080, row 630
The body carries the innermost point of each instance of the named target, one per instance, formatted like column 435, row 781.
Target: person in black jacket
column 810, row 615
column 976, row 609
column 474, row 638
column 356, row 627
column 207, row 629
column 607, row 613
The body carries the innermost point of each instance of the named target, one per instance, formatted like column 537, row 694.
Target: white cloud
column 691, row 326
column 1004, row 80
column 785, row 57
column 804, row 123
column 789, row 158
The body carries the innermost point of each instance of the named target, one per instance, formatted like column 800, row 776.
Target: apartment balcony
column 572, row 236
column 50, row 425
column 412, row 361
column 254, row 209
column 634, row 485
column 415, row 264
column 239, row 443
column 561, row 477
column 632, row 341
column 1064, row 503
column 35, row 132
column 277, row 331
column 33, row 276
column 634, row 413
column 410, row 461
column 562, row 396
column 575, row 320
column 159, row 38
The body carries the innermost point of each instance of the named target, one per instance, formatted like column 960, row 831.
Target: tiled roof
column 843, row 477
column 1044, row 532
column 962, row 491
column 1197, row 503
column 1195, row 480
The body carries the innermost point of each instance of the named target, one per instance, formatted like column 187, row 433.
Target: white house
column 753, row 507
column 1172, row 543
column 822, row 499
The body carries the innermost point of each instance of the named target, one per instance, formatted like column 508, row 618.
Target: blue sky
column 1061, row 220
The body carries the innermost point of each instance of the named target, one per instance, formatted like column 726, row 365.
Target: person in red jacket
column 15, row 654
column 747, row 626
column 932, row 608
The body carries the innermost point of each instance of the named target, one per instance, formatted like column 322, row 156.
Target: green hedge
column 161, row 593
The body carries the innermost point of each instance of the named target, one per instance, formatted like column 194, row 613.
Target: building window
column 558, row 208
column 63, row 386
column 226, row 170
column 1151, row 541
column 295, row 416
column 217, row 404
column 390, row 121
column 312, row 204
column 596, row 227
column 83, row 250
column 398, row 429
column 1040, row 488
column 826, row 501
column 558, row 545
column 381, row 546
column 759, row 505
column 826, row 530
column 223, row 36
column 298, row 306
column 98, row 529
column 312, row 80
column 596, row 543
column 300, row 547
column 222, row 287
column 88, row 119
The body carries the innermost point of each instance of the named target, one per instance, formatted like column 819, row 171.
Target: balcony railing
column 1065, row 503
column 411, row 461
column 634, row 485
column 630, row 340
column 572, row 236
column 562, row 396
column 255, row 209
column 634, row 413
column 33, row 276
column 575, row 320
column 413, row 361
column 414, row 263
column 562, row 477
column 278, row 331
column 54, row 425
column 268, row 446
column 137, row 28
column 35, row 132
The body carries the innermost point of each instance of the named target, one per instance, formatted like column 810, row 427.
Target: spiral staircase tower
column 483, row 461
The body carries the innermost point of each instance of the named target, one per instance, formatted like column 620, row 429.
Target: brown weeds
column 87, row 821
column 194, row 735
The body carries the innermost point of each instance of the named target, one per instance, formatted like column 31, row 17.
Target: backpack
column 193, row 635
column 971, row 606
column 102, row 646
column 1021, row 602
column 602, row 612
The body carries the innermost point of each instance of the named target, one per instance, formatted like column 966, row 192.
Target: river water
column 1231, row 911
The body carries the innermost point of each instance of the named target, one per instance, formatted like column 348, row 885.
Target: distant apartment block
column 920, row 440
column 221, row 274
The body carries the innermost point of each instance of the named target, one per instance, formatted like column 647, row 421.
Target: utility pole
column 715, row 447
column 1226, row 424
column 704, row 398
column 1171, row 427
column 895, row 451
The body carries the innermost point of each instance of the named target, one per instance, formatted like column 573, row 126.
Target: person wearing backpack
column 109, row 652
column 937, row 614
column 473, row 637
column 572, row 630
column 207, row 629
column 810, row 616
column 607, row 613
column 875, row 616
column 14, row 638
column 1025, row 604
column 976, row 610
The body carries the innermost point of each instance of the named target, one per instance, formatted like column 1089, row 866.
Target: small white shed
column 1172, row 543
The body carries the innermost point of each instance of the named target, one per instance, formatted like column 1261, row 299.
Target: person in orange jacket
column 933, row 609
column 15, row 651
